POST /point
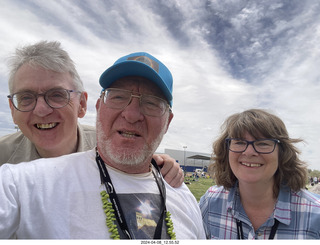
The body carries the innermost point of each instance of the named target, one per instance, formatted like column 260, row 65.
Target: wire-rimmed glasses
column 26, row 100
column 119, row 99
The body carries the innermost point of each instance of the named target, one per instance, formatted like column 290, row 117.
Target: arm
column 170, row 169
column 9, row 208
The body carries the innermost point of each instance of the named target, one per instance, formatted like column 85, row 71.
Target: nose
column 250, row 150
column 42, row 109
column 132, row 112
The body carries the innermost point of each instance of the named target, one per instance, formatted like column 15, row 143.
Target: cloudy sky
column 225, row 57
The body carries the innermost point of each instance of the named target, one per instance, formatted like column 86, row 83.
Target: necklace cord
column 274, row 229
column 106, row 180
column 271, row 236
column 162, row 189
column 239, row 230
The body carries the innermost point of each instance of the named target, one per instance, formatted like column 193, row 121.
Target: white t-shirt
column 59, row 198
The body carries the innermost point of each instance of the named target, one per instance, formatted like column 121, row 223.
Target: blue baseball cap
column 140, row 64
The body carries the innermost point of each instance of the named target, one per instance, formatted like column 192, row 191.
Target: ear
column 98, row 103
column 83, row 104
column 169, row 120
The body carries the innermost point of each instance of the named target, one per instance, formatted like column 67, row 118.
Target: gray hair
column 48, row 55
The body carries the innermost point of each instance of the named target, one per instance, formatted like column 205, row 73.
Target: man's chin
column 128, row 157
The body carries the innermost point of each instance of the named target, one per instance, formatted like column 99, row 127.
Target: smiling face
column 126, row 137
column 252, row 167
column 53, row 131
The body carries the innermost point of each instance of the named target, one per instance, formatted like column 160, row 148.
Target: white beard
column 125, row 157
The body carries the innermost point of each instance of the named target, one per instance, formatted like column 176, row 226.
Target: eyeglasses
column 27, row 100
column 119, row 99
column 263, row 146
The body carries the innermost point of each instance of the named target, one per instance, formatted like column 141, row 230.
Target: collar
column 134, row 175
column 281, row 212
column 234, row 205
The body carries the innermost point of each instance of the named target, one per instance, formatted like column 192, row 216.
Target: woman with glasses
column 260, row 180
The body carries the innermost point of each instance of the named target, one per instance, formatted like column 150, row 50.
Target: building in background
column 190, row 161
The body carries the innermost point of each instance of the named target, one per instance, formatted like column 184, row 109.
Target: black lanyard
column 106, row 180
column 272, row 233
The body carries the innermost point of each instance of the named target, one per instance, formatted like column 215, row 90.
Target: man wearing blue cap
column 116, row 190
column 46, row 99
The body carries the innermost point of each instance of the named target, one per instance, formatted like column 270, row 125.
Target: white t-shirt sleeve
column 9, row 203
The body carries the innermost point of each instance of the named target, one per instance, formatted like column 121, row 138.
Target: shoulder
column 11, row 138
column 303, row 211
column 43, row 171
column 9, row 144
column 87, row 131
column 87, row 128
column 215, row 197
column 43, row 166
column 306, row 197
column 47, row 175
column 216, row 192
column 183, row 190
column 217, row 189
column 181, row 195
column 300, row 202
column 87, row 137
column 73, row 159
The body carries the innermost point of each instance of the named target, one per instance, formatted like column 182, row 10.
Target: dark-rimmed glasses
column 263, row 146
column 26, row 101
column 150, row 105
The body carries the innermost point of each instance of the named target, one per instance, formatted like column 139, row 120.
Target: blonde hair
column 291, row 171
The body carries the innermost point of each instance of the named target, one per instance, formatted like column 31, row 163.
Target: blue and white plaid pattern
column 297, row 212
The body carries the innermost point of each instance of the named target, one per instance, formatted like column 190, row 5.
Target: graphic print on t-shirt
column 142, row 214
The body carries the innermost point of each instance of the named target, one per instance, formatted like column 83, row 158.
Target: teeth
column 251, row 164
column 128, row 134
column 46, row 125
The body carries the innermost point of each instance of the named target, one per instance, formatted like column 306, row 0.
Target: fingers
column 159, row 159
column 171, row 171
column 175, row 179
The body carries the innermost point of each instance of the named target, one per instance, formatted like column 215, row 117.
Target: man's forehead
column 34, row 77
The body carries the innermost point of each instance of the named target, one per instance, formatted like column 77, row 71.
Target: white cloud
column 225, row 56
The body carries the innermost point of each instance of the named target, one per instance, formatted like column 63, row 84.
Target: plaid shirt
column 297, row 212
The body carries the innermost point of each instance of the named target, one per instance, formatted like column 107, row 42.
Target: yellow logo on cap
column 146, row 60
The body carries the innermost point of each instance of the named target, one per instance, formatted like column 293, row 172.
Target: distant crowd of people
column 314, row 180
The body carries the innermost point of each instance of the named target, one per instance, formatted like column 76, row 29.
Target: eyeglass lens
column 120, row 99
column 55, row 98
column 260, row 146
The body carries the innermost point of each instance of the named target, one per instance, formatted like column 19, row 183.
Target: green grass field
column 198, row 188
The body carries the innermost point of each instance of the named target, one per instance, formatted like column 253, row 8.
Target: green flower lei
column 109, row 211
column 110, row 219
column 170, row 231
